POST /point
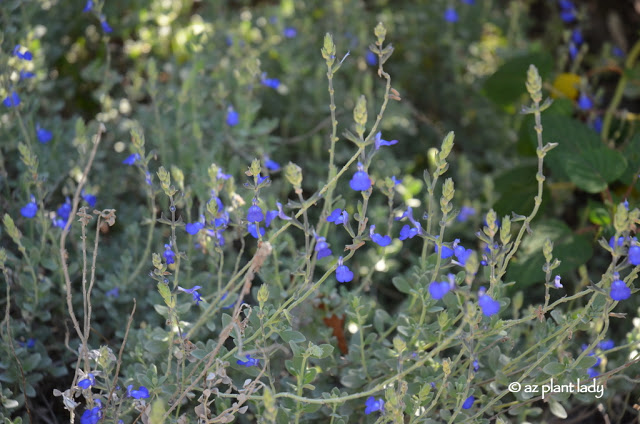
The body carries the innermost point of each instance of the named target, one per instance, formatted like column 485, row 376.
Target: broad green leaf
column 632, row 153
column 594, row 169
column 401, row 284
column 507, row 84
column 517, row 188
column 292, row 336
column 557, row 409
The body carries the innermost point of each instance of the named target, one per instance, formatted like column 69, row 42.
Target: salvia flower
column 91, row 416
column 584, row 102
column 44, row 136
column 380, row 142
column 382, row 241
column 447, row 252
column 131, row 159
column 606, row 344
column 114, row 292
column 30, row 209
column 322, row 247
column 557, row 283
column 253, row 230
column 620, row 242
column 371, row 58
column 476, row 365
column 91, row 199
column 271, row 165
column 468, row 403
column 250, row 362
column 407, row 232
column 233, row 118
column 270, row 82
column 87, row 382
column 141, row 393
column 222, row 176
column 343, row 273
column 269, row 216
column 26, row 75
column 254, row 214
column 634, row 254
column 450, row 15
column 105, row 26
column 194, row 228
column 395, row 180
column 360, row 180
column 281, row 213
column 24, row 56
column 169, row 255
column 462, row 254
column 438, row 289
column 487, row 304
column 290, row 32
column 576, row 36
column 12, row 100
column 338, row 216
column 88, row 6
column 193, row 292
column 619, row 290
column 372, row 405
column 466, row 212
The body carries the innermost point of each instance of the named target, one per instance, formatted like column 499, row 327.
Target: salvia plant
column 216, row 216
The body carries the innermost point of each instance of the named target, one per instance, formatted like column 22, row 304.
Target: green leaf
column 553, row 368
column 507, row 84
column 632, row 153
column 594, row 169
column 401, row 284
column 599, row 215
column 165, row 292
column 557, row 409
column 517, row 188
column 587, row 362
column 309, row 375
column 292, row 336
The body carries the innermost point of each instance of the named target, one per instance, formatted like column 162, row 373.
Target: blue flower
column 360, row 180
column 290, row 32
column 380, row 142
column 270, row 82
column 471, row 2
column 30, row 209
column 64, row 210
column 382, row 241
column 131, row 159
column 29, row 344
column 487, row 304
column 12, row 100
column 468, row 403
column 592, row 373
column 141, row 393
column 557, row 283
column 584, row 102
column 194, row 292
column 90, row 199
column 606, row 344
column 105, row 26
column 568, row 15
column 233, row 118
column 269, row 216
column 322, row 247
column 407, row 232
column 338, row 216
column 597, row 124
column 576, row 36
column 395, row 180
column 24, row 56
column 26, row 75
column 617, row 51
column 253, row 230
column 222, row 176
column 114, row 292
column 254, row 214
column 462, row 254
column 373, row 405
column 250, row 362
column 91, row 416
column 262, row 179
column 343, row 273
column 450, row 15
column 447, row 252
column 169, row 255
column 87, row 382
column 281, row 213
column 44, row 136
column 573, row 50
column 619, row 290
column 634, row 255
column 438, row 290
column 371, row 58
column 88, row 6
column 466, row 212
column 271, row 164
column 194, row 228
column 476, row 365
